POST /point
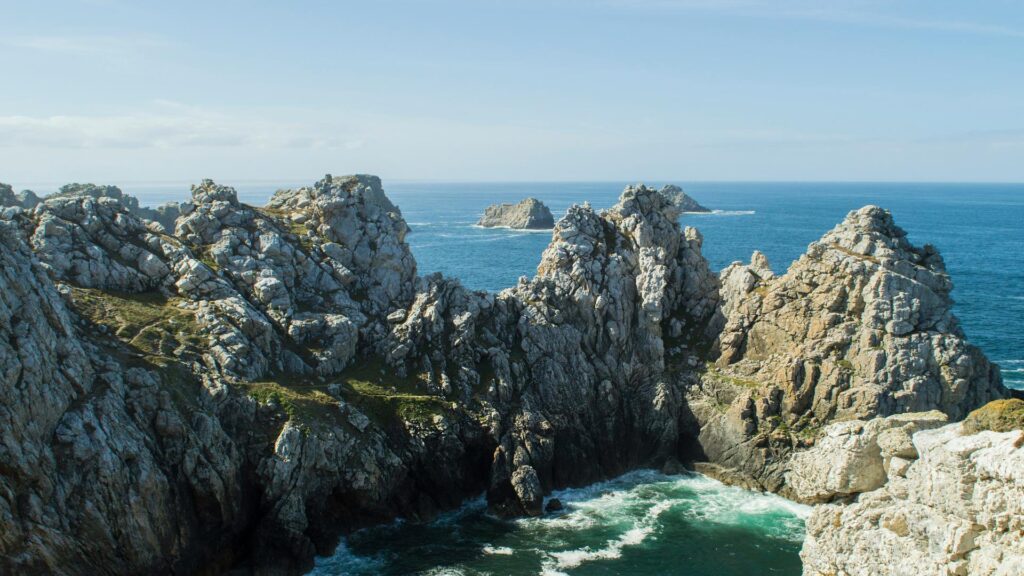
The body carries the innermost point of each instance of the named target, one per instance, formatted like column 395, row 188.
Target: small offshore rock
column 530, row 214
column 683, row 201
column 553, row 505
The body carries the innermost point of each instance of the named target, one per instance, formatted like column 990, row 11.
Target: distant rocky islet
column 532, row 214
column 529, row 214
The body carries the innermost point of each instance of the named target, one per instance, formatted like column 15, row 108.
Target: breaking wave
column 722, row 213
column 642, row 512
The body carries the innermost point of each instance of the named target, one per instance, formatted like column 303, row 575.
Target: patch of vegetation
column 283, row 219
column 998, row 416
column 388, row 398
column 149, row 322
column 856, row 255
column 807, row 427
column 304, row 401
column 271, row 212
column 205, row 255
column 845, row 365
column 151, row 332
column 718, row 374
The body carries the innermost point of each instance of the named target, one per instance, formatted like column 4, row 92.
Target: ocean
column 645, row 523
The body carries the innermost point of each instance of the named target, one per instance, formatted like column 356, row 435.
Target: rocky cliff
column 238, row 389
column 529, row 214
column 952, row 500
column 859, row 326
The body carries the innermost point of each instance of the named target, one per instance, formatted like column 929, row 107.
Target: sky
column 119, row 91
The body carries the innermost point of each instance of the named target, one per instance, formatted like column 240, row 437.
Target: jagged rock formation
column 953, row 504
column 682, row 200
column 259, row 380
column 9, row 198
column 859, row 326
column 529, row 214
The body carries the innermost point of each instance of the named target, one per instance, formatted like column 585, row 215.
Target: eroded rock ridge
column 236, row 386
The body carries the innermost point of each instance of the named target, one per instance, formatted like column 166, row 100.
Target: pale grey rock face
column 957, row 509
column 96, row 242
column 856, row 456
column 683, row 201
column 527, row 214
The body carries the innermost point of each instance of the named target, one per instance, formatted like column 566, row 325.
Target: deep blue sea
column 645, row 523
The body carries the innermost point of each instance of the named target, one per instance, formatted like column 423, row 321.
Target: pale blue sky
column 116, row 91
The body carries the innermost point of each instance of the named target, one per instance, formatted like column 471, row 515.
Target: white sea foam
column 600, row 522
column 635, row 536
column 722, row 213
column 445, row 571
column 513, row 230
column 344, row 561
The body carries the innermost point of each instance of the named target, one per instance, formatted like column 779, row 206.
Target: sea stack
column 682, row 200
column 530, row 214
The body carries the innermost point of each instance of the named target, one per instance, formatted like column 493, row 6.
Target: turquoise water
column 641, row 523
column 645, row 523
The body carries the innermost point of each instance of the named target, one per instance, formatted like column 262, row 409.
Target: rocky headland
column 237, row 386
column 530, row 214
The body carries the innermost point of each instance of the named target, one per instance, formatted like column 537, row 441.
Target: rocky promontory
column 240, row 388
column 530, row 214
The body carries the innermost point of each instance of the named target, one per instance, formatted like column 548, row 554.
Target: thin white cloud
column 173, row 126
column 86, row 45
column 851, row 12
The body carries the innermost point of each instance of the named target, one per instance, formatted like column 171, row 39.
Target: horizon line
column 385, row 181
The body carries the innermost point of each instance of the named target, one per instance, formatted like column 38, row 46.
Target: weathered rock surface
column 857, row 456
column 9, row 198
column 860, row 326
column 955, row 508
column 682, row 200
column 528, row 214
column 239, row 388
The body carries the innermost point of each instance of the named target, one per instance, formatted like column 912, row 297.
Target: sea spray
column 639, row 523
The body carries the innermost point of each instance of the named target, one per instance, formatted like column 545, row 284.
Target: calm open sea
column 645, row 523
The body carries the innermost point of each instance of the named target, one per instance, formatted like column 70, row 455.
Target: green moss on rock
column 997, row 416
column 388, row 398
column 149, row 322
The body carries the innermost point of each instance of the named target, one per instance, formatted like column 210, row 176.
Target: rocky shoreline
column 216, row 386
